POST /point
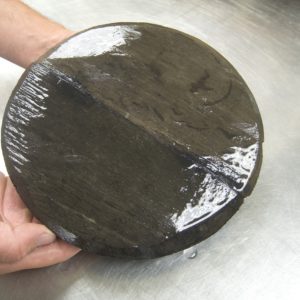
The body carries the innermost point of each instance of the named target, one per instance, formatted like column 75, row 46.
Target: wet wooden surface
column 256, row 255
column 132, row 140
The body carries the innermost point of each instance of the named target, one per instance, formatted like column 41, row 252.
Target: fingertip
column 45, row 238
column 68, row 249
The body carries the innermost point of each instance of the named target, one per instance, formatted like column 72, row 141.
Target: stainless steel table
column 256, row 255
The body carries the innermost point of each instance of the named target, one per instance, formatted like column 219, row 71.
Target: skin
column 25, row 35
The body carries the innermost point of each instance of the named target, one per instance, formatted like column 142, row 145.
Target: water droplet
column 190, row 253
column 193, row 255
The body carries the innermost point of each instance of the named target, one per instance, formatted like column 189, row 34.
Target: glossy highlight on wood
column 132, row 139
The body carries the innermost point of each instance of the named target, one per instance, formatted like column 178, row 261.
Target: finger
column 3, row 181
column 57, row 252
column 14, row 209
column 35, row 220
column 18, row 242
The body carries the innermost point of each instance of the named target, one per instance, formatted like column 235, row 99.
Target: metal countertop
column 256, row 255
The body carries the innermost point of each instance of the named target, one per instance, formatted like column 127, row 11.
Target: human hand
column 25, row 34
column 24, row 242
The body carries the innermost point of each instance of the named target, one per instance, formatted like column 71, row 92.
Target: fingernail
column 46, row 238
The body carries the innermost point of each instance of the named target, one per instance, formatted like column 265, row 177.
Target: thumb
column 29, row 236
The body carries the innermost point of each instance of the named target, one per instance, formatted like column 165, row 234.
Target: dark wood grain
column 132, row 139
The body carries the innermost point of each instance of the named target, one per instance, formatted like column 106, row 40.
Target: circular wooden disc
column 132, row 139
